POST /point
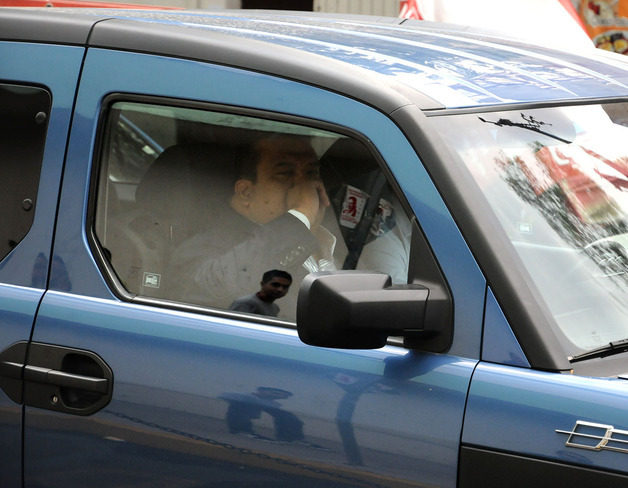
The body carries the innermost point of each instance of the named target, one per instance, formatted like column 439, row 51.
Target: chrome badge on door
column 596, row 437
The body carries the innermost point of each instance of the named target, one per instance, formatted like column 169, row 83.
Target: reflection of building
column 389, row 8
column 581, row 175
column 303, row 5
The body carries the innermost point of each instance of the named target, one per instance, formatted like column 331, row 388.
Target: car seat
column 357, row 189
column 173, row 202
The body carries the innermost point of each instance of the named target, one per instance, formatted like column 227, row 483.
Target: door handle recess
column 56, row 378
column 48, row 376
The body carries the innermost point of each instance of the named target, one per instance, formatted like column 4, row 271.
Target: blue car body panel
column 23, row 285
column 499, row 344
column 62, row 65
column 178, row 374
column 546, row 408
column 228, row 354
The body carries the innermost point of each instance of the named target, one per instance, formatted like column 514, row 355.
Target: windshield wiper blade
column 615, row 347
column 530, row 124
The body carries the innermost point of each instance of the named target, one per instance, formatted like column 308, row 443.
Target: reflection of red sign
column 618, row 177
column 581, row 174
column 409, row 10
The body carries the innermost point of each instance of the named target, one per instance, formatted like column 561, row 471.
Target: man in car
column 272, row 221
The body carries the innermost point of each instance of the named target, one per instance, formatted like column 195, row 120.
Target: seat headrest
column 346, row 161
column 185, row 182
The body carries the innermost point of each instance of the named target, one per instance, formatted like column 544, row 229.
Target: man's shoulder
column 250, row 298
column 223, row 229
column 247, row 303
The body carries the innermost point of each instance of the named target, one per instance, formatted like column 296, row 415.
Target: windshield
column 557, row 180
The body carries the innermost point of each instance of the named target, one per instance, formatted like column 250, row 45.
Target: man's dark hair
column 269, row 275
column 246, row 162
column 249, row 154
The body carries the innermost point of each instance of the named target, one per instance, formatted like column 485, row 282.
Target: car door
column 197, row 394
column 36, row 94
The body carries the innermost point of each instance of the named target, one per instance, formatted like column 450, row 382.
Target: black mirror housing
column 360, row 310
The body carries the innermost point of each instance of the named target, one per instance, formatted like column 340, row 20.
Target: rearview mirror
column 360, row 310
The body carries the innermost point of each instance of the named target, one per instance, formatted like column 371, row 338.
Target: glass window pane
column 198, row 206
column 557, row 179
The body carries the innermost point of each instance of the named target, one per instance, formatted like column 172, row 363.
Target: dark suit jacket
column 228, row 261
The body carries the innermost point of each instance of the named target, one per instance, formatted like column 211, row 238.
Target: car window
column 23, row 126
column 233, row 210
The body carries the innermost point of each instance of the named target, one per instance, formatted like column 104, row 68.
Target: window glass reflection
column 557, row 179
column 200, row 206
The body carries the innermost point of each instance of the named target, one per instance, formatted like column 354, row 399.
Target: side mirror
column 360, row 310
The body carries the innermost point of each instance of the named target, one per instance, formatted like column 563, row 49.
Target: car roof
column 389, row 62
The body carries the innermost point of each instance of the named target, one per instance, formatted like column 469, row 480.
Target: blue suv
column 283, row 249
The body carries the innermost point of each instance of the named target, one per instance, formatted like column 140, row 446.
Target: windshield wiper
column 530, row 124
column 615, row 347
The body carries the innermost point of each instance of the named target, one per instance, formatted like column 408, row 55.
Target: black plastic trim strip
column 523, row 106
column 491, row 469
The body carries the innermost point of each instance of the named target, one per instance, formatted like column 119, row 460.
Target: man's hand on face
column 310, row 198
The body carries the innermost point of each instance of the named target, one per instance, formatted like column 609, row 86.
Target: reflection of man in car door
column 272, row 221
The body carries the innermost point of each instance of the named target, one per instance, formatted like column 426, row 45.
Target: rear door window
column 24, row 114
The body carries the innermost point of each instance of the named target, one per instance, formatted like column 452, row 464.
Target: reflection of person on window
column 272, row 222
column 274, row 285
